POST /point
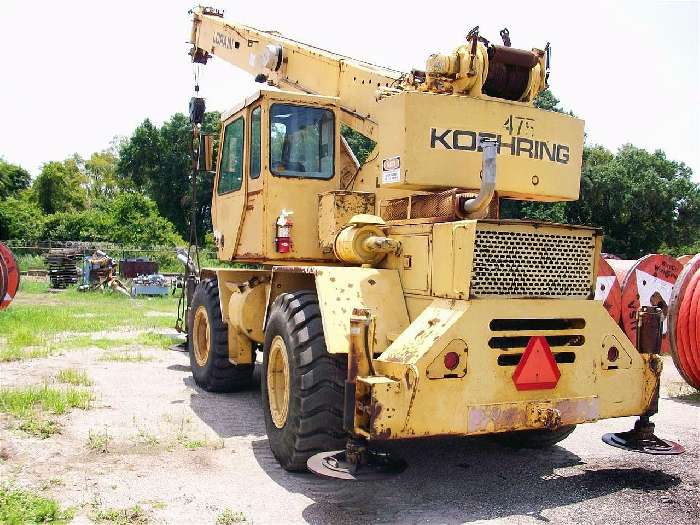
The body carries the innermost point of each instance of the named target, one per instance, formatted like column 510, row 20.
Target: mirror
column 206, row 152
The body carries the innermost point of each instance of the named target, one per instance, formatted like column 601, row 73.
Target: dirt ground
column 154, row 439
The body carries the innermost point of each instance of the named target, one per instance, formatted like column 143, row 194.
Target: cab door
column 230, row 189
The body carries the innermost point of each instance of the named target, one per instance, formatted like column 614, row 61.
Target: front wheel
column 302, row 384
column 208, row 344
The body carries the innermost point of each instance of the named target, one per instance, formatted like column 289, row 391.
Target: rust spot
column 407, row 377
column 433, row 321
column 372, row 282
column 385, row 433
column 349, row 284
column 332, row 279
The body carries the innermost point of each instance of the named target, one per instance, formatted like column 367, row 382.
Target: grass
column 156, row 340
column 99, row 441
column 193, row 444
column 229, row 517
column 21, row 402
column 74, row 377
column 39, row 427
column 31, row 328
column 18, row 354
column 30, row 262
column 126, row 516
column 125, row 357
column 19, row 506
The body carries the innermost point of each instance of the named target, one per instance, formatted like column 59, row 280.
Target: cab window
column 255, row 143
column 301, row 141
column 231, row 167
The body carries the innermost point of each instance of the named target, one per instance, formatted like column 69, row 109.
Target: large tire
column 312, row 419
column 533, row 438
column 208, row 344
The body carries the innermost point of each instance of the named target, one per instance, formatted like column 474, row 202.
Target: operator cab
column 278, row 152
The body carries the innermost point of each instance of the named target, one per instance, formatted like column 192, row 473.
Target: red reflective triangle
column 537, row 369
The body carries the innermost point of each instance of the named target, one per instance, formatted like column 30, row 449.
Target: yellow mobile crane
column 388, row 299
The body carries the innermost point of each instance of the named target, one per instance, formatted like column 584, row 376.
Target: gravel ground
column 185, row 455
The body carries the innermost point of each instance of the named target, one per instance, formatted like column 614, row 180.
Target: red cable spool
column 646, row 282
column 607, row 289
column 684, row 259
column 9, row 276
column 684, row 323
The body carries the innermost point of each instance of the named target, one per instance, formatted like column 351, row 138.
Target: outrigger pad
column 642, row 439
column 377, row 465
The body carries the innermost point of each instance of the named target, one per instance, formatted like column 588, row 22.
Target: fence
column 31, row 255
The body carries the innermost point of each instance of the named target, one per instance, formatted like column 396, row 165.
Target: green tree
column 21, row 217
column 61, row 186
column 128, row 218
column 100, row 173
column 642, row 200
column 158, row 162
column 13, row 179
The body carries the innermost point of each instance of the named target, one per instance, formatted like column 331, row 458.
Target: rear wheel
column 533, row 438
column 208, row 344
column 302, row 384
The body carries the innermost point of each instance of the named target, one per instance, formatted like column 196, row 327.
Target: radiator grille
column 532, row 264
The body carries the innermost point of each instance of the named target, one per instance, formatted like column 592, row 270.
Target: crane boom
column 282, row 62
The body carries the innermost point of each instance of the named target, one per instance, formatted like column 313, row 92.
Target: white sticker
column 391, row 170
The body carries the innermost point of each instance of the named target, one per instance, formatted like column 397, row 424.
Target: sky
column 75, row 74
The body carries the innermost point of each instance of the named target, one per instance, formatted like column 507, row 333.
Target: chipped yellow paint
column 485, row 399
column 342, row 289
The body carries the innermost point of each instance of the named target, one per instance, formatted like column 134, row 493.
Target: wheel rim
column 200, row 336
column 278, row 381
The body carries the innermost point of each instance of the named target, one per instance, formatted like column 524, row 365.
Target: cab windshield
column 301, row 141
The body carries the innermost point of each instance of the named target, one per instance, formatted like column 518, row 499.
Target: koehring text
column 459, row 139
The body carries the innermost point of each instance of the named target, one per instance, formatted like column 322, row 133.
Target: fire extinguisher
column 283, row 237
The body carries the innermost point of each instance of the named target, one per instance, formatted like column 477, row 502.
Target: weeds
column 127, row 516
column 125, row 357
column 229, row 517
column 23, row 403
column 20, row 402
column 19, row 506
column 19, row 354
column 41, row 428
column 74, row 377
column 146, row 438
column 99, row 441
column 193, row 444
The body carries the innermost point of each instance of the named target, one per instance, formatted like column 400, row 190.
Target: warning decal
column 391, row 170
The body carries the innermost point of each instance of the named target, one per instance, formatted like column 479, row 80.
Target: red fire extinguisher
column 283, row 237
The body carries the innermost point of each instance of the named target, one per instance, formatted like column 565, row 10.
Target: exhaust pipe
column 471, row 207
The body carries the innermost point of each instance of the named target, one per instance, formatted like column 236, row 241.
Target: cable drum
column 684, row 322
column 607, row 289
column 9, row 276
column 646, row 282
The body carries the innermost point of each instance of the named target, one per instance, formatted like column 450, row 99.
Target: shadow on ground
column 458, row 479
column 692, row 398
column 234, row 414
